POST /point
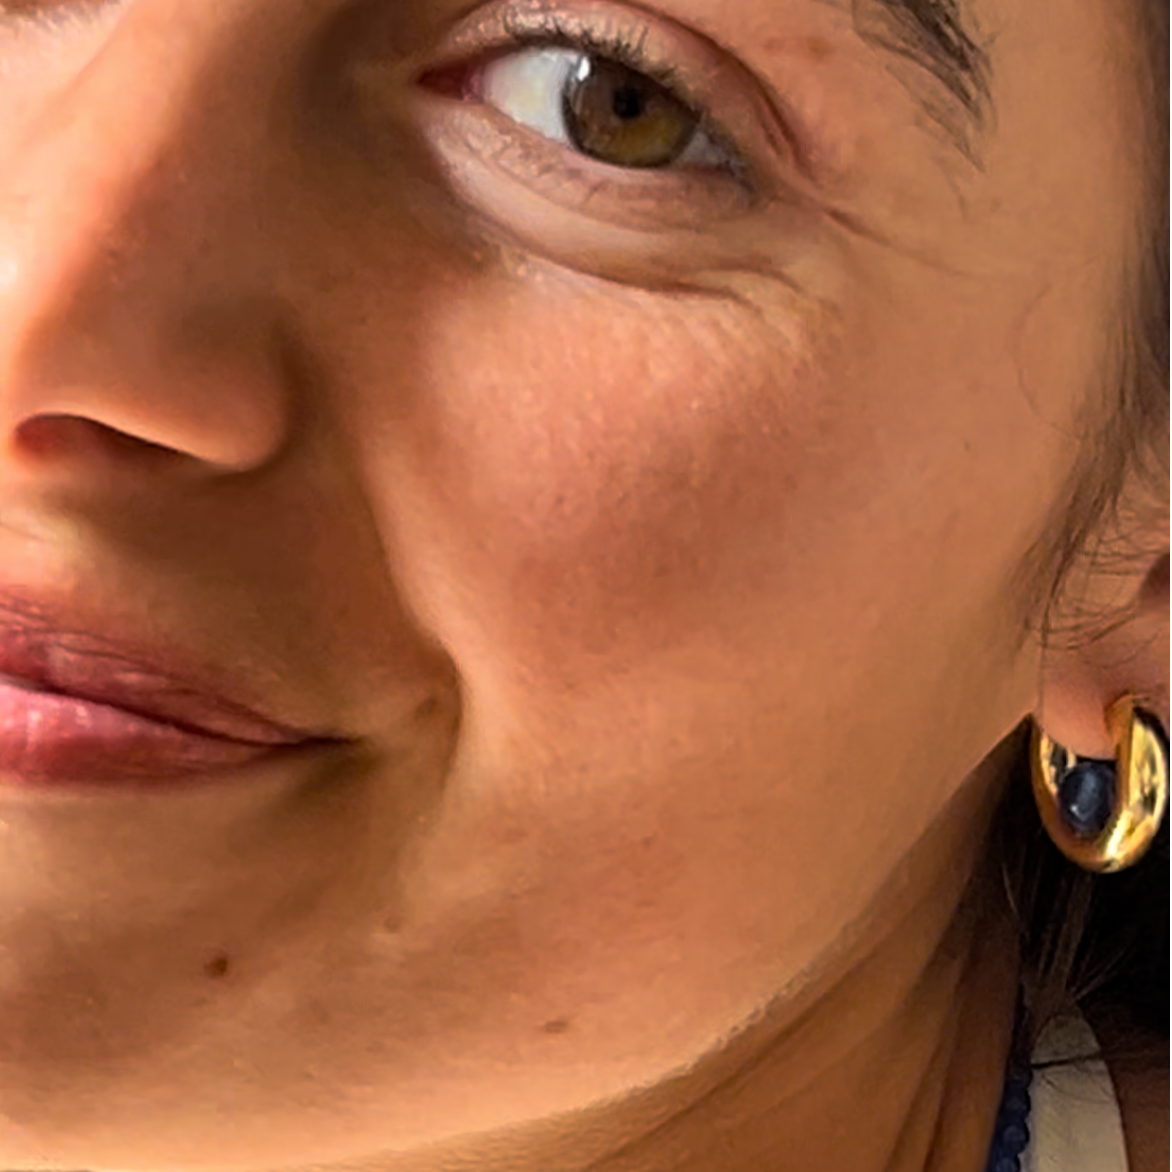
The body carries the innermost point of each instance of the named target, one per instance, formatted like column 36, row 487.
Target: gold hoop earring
column 1103, row 815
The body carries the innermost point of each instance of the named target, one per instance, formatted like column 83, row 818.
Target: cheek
column 688, row 565
column 598, row 471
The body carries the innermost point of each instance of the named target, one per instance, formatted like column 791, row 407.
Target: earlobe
column 1112, row 647
column 1154, row 591
column 1149, row 635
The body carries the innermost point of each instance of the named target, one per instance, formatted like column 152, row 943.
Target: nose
column 133, row 300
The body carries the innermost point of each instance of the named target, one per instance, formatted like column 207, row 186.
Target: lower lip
column 48, row 739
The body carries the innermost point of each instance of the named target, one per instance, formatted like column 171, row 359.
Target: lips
column 74, row 655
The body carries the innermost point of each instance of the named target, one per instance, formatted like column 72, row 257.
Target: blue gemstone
column 1086, row 797
column 1015, row 1137
column 1016, row 1104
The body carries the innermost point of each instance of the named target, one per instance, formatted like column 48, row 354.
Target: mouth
column 78, row 699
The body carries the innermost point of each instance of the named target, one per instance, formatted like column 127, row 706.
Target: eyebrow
column 932, row 35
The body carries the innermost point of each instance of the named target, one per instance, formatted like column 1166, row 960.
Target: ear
column 1088, row 664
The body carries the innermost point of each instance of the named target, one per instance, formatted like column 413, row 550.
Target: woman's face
column 652, row 536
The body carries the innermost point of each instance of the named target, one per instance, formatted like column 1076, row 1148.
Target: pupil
column 627, row 102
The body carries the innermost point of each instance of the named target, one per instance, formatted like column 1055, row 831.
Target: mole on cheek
column 218, row 966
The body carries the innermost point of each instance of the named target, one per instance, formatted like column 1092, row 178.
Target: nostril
column 48, row 438
column 45, row 435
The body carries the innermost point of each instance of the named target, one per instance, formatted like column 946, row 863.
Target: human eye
column 611, row 103
column 600, row 132
column 601, row 94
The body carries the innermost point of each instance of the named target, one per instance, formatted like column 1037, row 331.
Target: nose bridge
column 123, row 205
column 127, row 158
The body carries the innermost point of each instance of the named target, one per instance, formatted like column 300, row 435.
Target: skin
column 658, row 553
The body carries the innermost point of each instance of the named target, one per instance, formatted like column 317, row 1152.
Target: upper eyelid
column 557, row 34
column 511, row 30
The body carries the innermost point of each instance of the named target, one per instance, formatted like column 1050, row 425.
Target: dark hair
column 1102, row 941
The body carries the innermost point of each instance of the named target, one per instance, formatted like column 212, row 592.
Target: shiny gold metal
column 1141, row 790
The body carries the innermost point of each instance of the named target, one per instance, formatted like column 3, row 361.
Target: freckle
column 218, row 966
column 559, row 1025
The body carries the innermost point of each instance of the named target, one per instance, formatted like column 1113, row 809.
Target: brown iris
column 622, row 117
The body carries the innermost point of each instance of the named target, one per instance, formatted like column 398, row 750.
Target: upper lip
column 60, row 649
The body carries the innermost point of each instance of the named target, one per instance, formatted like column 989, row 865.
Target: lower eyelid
column 488, row 143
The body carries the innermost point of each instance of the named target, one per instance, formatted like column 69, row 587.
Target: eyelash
column 625, row 47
